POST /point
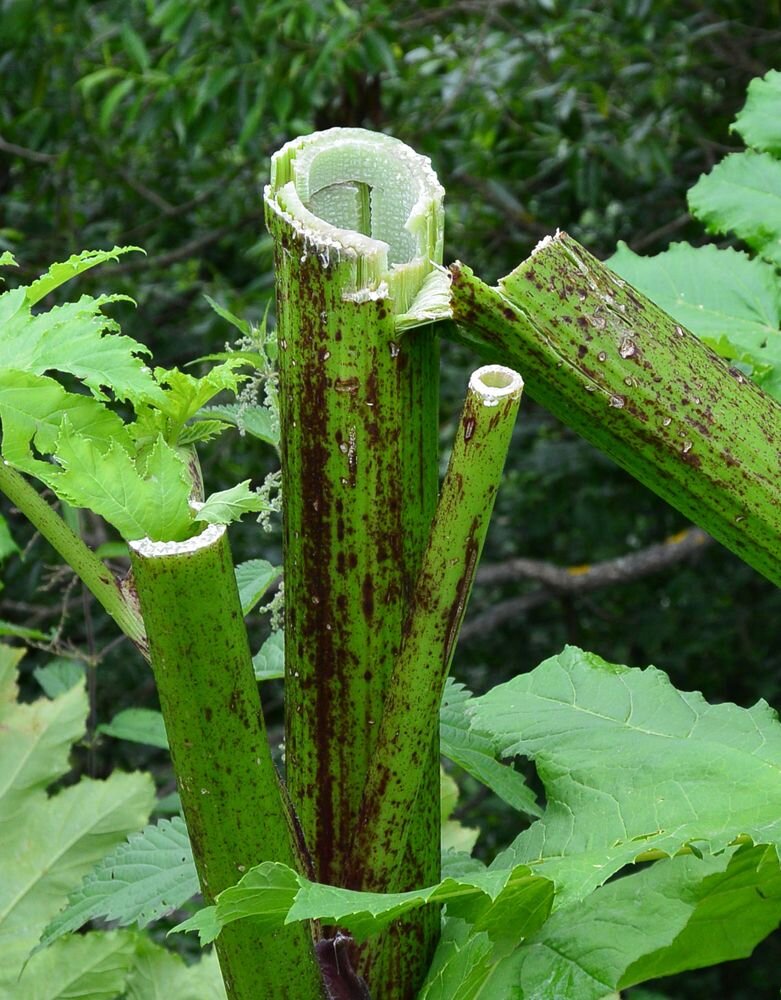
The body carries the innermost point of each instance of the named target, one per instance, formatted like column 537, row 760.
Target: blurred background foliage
column 152, row 123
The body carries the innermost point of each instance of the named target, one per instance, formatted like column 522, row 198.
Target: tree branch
column 26, row 154
column 558, row 580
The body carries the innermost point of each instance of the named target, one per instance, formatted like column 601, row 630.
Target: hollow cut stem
column 231, row 797
column 411, row 714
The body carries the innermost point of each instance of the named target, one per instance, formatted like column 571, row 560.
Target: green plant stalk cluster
column 359, row 402
column 230, row 791
column 625, row 375
column 411, row 712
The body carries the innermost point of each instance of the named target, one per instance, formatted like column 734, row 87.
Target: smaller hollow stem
column 231, row 795
column 411, row 709
column 99, row 580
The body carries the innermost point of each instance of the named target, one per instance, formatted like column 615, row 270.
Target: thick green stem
column 411, row 713
column 356, row 219
column 230, row 791
column 82, row 560
column 652, row 396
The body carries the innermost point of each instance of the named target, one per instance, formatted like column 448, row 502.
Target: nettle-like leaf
column 730, row 300
column 138, row 882
column 257, row 421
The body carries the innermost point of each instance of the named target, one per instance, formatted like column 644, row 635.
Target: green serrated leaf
column 185, row 394
column 230, row 505
column 742, row 194
column 72, row 338
column 462, row 743
column 50, row 843
column 32, row 410
column 253, row 579
column 630, row 766
column 58, row 842
column 759, row 123
column 7, row 259
column 273, row 895
column 59, row 676
column 154, row 504
column 138, row 882
column 64, row 271
column 138, row 725
column 680, row 914
column 200, row 432
column 460, row 965
column 269, row 661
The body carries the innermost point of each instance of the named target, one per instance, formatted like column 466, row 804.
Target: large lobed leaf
column 71, row 338
column 632, row 765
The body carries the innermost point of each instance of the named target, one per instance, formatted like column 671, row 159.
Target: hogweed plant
column 333, row 881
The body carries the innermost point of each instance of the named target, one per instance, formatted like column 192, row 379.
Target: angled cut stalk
column 648, row 393
column 411, row 712
column 230, row 791
column 356, row 219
